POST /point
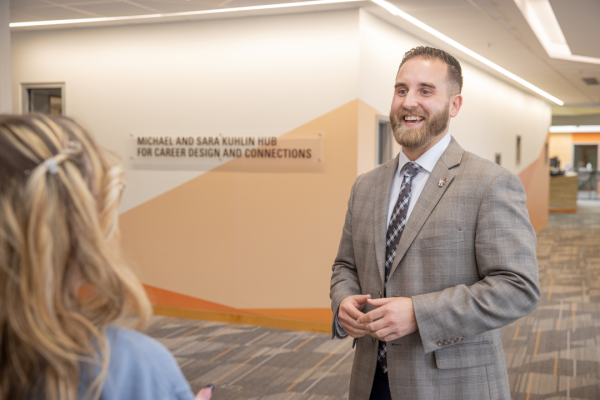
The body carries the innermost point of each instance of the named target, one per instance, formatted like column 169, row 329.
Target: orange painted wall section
column 162, row 297
column 308, row 314
column 586, row 137
column 536, row 180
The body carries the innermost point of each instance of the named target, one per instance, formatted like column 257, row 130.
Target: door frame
column 24, row 95
column 587, row 144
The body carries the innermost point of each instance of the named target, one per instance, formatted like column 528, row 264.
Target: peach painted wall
column 536, row 180
column 561, row 146
column 251, row 241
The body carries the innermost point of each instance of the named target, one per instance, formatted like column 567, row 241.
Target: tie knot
column 411, row 169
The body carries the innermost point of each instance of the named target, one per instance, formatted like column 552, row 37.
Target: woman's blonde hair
column 59, row 193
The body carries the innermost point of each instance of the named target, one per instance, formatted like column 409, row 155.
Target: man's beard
column 413, row 138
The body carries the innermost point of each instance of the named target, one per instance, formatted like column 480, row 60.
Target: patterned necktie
column 394, row 232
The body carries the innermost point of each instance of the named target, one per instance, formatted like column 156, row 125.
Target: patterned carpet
column 248, row 362
column 554, row 353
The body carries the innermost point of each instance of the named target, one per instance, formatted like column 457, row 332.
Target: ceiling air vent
column 591, row 81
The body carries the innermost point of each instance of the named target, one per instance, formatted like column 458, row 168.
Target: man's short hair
column 454, row 69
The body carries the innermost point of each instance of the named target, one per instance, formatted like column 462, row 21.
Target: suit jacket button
column 373, row 340
column 380, row 293
column 460, row 339
column 446, row 342
column 440, row 343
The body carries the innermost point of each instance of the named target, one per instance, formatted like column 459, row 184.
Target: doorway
column 384, row 144
column 585, row 155
column 45, row 98
column 585, row 161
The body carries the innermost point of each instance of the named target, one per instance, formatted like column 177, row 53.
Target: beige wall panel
column 251, row 240
column 561, row 146
column 183, row 240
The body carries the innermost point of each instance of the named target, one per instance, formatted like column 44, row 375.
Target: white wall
column 264, row 75
column 492, row 115
column 5, row 78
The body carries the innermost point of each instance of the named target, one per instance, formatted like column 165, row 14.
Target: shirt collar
column 428, row 160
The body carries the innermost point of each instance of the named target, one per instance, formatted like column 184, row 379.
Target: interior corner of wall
column 366, row 136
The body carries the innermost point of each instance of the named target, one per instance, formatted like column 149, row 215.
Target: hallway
column 554, row 353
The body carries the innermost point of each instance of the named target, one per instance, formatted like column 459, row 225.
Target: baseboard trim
column 563, row 210
column 244, row 319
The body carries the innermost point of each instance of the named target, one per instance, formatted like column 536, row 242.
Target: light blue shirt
column 140, row 369
column 427, row 162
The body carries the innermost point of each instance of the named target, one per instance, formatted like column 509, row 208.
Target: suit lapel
column 429, row 198
column 382, row 203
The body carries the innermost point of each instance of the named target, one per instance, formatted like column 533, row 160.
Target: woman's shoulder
column 141, row 368
column 128, row 341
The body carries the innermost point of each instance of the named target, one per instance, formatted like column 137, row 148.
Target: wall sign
column 230, row 152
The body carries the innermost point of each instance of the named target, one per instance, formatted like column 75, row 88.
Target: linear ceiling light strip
column 179, row 14
column 396, row 11
column 388, row 6
column 575, row 129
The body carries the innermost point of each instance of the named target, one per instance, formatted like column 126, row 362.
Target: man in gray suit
column 437, row 254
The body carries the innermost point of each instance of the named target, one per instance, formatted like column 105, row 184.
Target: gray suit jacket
column 466, row 258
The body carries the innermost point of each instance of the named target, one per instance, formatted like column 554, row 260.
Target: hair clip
column 73, row 146
column 52, row 165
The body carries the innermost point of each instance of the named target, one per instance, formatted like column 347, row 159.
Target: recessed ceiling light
column 575, row 129
column 396, row 11
column 542, row 20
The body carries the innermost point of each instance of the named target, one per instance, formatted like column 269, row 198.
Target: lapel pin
column 441, row 182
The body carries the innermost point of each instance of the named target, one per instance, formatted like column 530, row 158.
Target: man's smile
column 413, row 121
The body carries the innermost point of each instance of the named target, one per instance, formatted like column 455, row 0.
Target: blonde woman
column 59, row 194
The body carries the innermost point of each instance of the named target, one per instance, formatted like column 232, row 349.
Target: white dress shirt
column 427, row 162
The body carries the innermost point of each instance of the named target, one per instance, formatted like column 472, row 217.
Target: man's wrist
column 340, row 333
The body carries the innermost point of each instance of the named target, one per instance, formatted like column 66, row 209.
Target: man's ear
column 455, row 104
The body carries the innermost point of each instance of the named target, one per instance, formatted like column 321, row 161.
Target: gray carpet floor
column 554, row 353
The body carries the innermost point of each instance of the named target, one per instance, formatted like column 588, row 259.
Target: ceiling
column 40, row 10
column 495, row 29
column 579, row 22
